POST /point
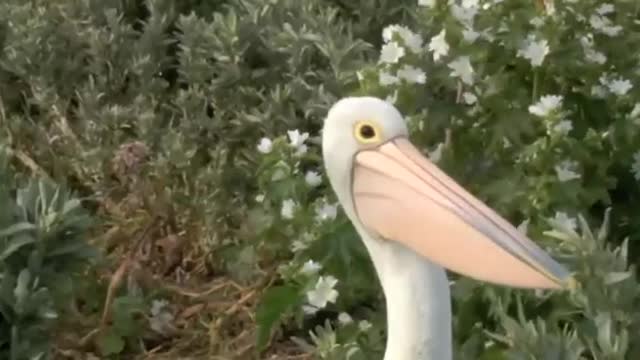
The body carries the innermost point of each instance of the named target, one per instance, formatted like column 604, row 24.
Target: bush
column 43, row 252
column 202, row 119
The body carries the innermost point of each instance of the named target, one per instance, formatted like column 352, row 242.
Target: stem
column 14, row 343
column 536, row 80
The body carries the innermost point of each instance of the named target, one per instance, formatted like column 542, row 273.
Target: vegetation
column 162, row 192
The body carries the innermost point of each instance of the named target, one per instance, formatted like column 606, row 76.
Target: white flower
column 412, row 74
column 537, row 21
column 635, row 167
column 439, row 45
column 312, row 178
column 620, row 86
column 535, row 51
column 391, row 53
column 387, row 79
column 635, row 112
column 161, row 318
column 344, row 318
column 469, row 35
column 309, row 310
column 603, row 25
column 427, row 3
column 323, row 292
column 565, row 171
column 563, row 127
column 436, row 154
column 546, row 105
column 297, row 139
column 260, row 198
column 288, row 207
column 462, row 69
column 326, row 212
column 590, row 53
column 299, row 245
column 565, row 221
column 391, row 99
column 411, row 40
column 265, row 145
column 467, row 4
column 523, row 227
column 469, row 98
column 310, row 267
column 465, row 15
column 364, row 325
column 605, row 9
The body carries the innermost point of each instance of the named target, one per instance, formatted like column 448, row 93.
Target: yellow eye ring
column 367, row 132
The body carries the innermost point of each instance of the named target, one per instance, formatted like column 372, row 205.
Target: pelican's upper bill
column 393, row 193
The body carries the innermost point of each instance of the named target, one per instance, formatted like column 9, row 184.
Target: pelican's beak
column 401, row 196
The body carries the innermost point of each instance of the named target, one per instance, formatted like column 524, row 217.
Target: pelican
column 415, row 222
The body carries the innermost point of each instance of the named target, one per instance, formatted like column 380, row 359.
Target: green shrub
column 206, row 115
column 43, row 250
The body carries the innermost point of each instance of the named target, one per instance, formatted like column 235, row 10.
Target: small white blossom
column 296, row 138
column 461, row 68
column 391, row 99
column 464, row 15
column 326, row 212
column 265, row 145
column 635, row 112
column 537, row 21
column 635, row 167
column 535, row 51
column 364, row 325
column 323, row 292
column 565, row 221
column 309, row 310
column 411, row 40
column 312, row 178
column 469, row 98
column 391, row 53
column 563, row 127
column 546, row 105
column 620, row 87
column 523, row 227
column 412, row 74
column 439, row 45
column 468, row 4
column 161, row 318
column 387, row 79
column 605, row 9
column 427, row 3
column 436, row 154
column 604, row 26
column 566, row 171
column 344, row 318
column 469, row 35
column 299, row 245
column 260, row 198
column 288, row 207
column 310, row 267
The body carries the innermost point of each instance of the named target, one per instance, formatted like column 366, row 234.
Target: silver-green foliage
column 43, row 249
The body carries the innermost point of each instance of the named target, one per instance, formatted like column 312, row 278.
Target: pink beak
column 401, row 196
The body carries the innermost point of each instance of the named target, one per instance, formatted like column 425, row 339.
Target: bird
column 416, row 223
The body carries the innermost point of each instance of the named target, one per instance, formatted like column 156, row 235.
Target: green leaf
column 17, row 228
column 110, row 343
column 15, row 244
column 275, row 302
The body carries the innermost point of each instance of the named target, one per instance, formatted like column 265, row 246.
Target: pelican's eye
column 367, row 132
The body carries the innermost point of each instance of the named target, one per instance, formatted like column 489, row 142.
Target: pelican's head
column 392, row 192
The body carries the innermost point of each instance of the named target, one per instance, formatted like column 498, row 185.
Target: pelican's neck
column 418, row 302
